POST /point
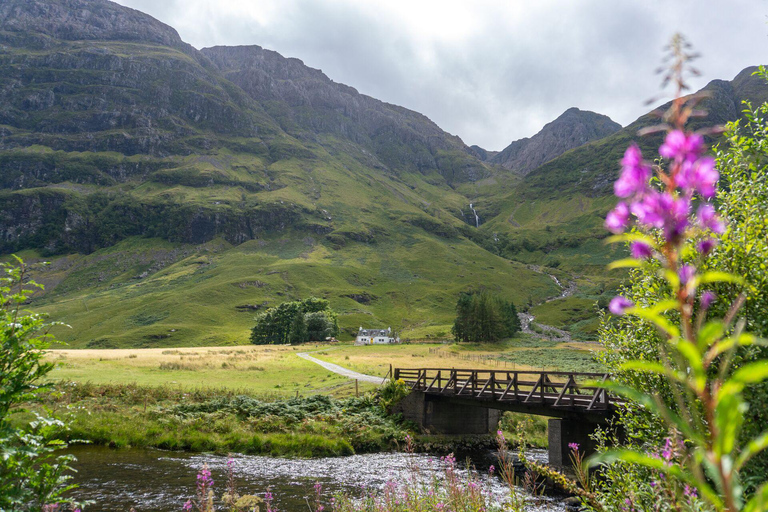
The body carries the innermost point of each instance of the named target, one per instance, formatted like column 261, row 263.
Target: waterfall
column 477, row 217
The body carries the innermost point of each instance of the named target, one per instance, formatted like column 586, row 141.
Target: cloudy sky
column 490, row 71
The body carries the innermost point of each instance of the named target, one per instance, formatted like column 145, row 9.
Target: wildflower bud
column 708, row 219
column 619, row 305
column 706, row 246
column 707, row 298
column 686, row 273
column 680, row 146
column 640, row 250
column 618, row 219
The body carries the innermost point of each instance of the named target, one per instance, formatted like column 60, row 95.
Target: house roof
column 374, row 332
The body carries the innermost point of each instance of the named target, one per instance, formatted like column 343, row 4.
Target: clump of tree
column 298, row 321
column 481, row 316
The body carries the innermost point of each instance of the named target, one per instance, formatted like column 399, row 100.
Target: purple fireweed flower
column 690, row 491
column 640, row 250
column 574, row 446
column 187, row 505
column 706, row 246
column 618, row 219
column 700, row 176
column 619, row 305
column 662, row 210
column 686, row 273
column 708, row 219
column 707, row 298
column 634, row 175
column 680, row 146
column 491, row 469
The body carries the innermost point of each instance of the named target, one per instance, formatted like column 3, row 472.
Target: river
column 155, row 480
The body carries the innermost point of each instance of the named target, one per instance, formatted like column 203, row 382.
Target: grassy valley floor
column 265, row 399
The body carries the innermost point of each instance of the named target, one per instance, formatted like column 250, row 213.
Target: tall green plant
column 675, row 233
column 31, row 475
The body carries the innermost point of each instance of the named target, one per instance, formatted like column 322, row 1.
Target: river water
column 155, row 480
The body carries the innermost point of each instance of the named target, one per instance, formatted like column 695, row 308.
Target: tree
column 31, row 475
column 298, row 332
column 481, row 316
column 319, row 326
column 275, row 325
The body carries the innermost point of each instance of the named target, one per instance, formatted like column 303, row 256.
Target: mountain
column 177, row 191
column 555, row 215
column 591, row 169
column 572, row 129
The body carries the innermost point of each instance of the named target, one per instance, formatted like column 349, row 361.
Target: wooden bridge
column 468, row 401
column 556, row 394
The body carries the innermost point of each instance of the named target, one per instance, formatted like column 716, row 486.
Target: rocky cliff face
column 307, row 103
column 572, row 129
column 75, row 20
column 112, row 126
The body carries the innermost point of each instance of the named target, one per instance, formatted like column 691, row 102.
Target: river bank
column 161, row 481
column 225, row 421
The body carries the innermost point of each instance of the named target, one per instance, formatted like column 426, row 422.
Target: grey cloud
column 526, row 64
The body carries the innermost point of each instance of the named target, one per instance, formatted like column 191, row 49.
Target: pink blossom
column 574, row 446
column 619, row 305
column 700, row 176
column 634, row 175
column 680, row 146
column 708, row 219
column 686, row 273
column 618, row 218
column 707, row 245
column 640, row 250
column 707, row 298
column 661, row 210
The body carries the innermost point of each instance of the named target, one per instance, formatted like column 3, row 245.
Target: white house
column 375, row 337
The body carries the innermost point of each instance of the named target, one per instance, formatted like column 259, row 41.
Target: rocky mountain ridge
column 573, row 128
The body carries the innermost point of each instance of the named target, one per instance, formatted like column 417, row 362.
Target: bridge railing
column 551, row 389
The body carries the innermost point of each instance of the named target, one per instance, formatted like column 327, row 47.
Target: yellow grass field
column 278, row 371
column 273, row 370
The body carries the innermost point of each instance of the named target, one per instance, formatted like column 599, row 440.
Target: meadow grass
column 274, row 370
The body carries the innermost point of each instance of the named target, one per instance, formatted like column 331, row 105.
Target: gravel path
column 341, row 370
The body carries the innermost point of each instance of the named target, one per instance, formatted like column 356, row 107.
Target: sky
column 489, row 71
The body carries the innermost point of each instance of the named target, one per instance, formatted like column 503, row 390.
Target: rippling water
column 118, row 480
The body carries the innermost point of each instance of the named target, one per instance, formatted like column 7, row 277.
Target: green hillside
column 177, row 192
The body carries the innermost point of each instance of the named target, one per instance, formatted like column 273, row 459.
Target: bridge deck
column 554, row 391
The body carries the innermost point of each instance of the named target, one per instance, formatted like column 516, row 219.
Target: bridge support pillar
column 440, row 415
column 562, row 432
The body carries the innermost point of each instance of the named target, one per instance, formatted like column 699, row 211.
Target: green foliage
column 691, row 378
column 225, row 422
column 31, row 475
column 290, row 322
column 392, row 392
column 482, row 317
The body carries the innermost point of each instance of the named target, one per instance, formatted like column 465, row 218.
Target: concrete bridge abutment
column 440, row 415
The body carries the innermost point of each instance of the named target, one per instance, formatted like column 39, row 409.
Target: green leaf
column 719, row 277
column 631, row 237
column 754, row 447
column 657, row 368
column 710, row 332
column 625, row 263
column 672, row 278
column 694, row 358
column 744, row 376
column 729, row 417
column 657, row 319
